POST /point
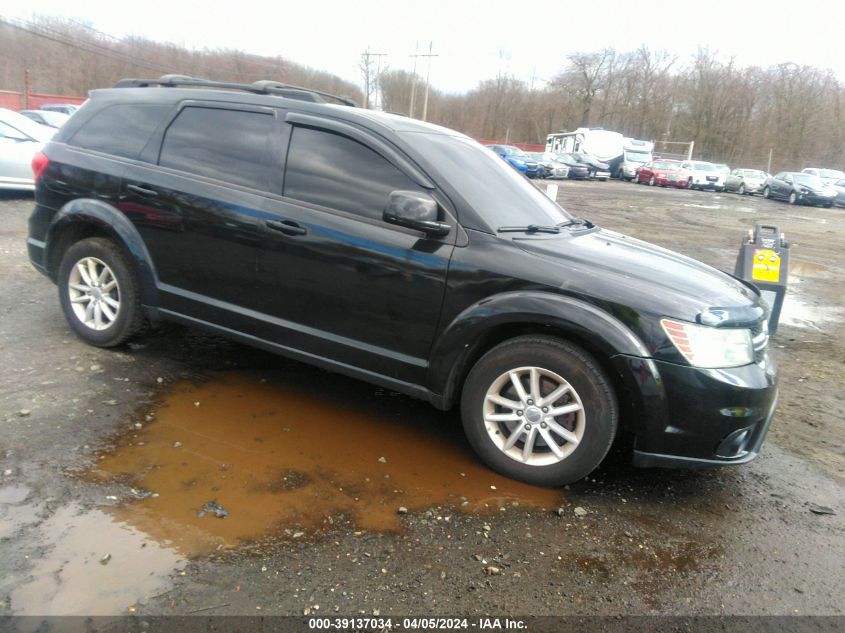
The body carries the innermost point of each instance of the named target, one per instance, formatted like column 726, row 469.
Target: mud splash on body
column 284, row 461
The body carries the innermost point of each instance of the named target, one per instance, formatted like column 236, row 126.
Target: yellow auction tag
column 766, row 265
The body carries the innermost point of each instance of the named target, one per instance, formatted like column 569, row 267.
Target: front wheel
column 651, row 181
column 793, row 198
column 539, row 409
column 767, row 193
column 741, row 190
column 99, row 292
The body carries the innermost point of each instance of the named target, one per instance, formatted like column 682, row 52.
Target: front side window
column 228, row 145
column 335, row 171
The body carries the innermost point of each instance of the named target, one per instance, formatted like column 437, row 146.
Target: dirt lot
column 114, row 467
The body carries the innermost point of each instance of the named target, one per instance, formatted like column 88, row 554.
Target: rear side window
column 335, row 171
column 122, row 129
column 228, row 145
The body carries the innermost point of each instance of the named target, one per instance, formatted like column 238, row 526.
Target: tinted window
column 337, row 172
column 497, row 192
column 121, row 130
column 229, row 145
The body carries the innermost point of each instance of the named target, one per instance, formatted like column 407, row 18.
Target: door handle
column 142, row 191
column 288, row 227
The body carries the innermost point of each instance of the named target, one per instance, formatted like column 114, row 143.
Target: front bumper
column 815, row 198
column 691, row 418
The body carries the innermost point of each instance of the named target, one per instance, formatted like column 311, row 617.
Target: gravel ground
column 75, row 539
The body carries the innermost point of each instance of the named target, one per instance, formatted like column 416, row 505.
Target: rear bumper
column 692, row 418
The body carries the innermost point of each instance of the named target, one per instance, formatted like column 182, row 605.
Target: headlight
column 710, row 347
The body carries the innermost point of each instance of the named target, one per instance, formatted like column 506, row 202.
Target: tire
column 767, row 193
column 591, row 425
column 741, row 190
column 690, row 185
column 828, row 205
column 793, row 199
column 651, row 181
column 122, row 301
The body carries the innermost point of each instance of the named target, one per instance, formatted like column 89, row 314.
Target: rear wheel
column 99, row 292
column 540, row 410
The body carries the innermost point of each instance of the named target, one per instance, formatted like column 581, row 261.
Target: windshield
column 832, row 173
column 637, row 157
column 496, row 191
column 514, row 151
column 809, row 180
column 665, row 165
column 753, row 173
column 704, row 166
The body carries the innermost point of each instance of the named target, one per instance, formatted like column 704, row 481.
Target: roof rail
column 265, row 87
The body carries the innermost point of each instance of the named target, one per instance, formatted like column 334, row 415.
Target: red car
column 666, row 173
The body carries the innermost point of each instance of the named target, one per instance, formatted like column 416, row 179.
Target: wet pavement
column 186, row 474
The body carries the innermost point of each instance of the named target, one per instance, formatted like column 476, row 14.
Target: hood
column 618, row 269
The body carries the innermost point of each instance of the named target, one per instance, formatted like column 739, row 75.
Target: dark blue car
column 519, row 160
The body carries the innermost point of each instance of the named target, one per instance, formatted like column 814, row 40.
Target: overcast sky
column 473, row 40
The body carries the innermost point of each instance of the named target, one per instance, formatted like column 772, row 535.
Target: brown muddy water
column 286, row 462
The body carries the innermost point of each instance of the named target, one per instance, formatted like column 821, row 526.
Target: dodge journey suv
column 403, row 254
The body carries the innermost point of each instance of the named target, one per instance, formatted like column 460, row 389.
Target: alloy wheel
column 534, row 416
column 94, row 293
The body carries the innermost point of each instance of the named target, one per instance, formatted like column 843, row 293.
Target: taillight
column 39, row 164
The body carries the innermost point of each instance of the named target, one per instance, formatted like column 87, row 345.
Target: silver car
column 744, row 181
column 20, row 140
column 839, row 186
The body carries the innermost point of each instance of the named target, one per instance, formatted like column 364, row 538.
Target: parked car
column 20, row 141
column 799, row 188
column 666, row 173
column 577, row 169
column 839, row 187
column 828, row 175
column 744, row 181
column 703, row 175
column 597, row 169
column 404, row 254
column 46, row 117
column 64, row 108
column 723, row 169
column 551, row 167
column 518, row 159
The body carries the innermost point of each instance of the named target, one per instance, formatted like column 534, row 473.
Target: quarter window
column 121, row 130
column 335, row 171
column 228, row 145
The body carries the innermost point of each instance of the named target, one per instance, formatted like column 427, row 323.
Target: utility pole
column 427, row 77
column 366, row 71
column 414, row 80
column 25, row 89
column 769, row 164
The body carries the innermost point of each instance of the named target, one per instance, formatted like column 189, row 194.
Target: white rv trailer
column 607, row 146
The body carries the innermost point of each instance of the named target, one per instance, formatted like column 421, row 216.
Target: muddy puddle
column 245, row 457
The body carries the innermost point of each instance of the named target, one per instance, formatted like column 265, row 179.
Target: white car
column 20, row 140
column 830, row 176
column 703, row 175
column 46, row 117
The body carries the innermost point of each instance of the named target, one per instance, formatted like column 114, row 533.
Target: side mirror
column 414, row 210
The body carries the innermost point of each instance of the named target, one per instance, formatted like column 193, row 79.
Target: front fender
column 583, row 321
column 111, row 221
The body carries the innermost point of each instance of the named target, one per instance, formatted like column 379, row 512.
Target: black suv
column 404, row 254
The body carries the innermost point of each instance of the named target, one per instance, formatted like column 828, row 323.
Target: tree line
column 734, row 114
